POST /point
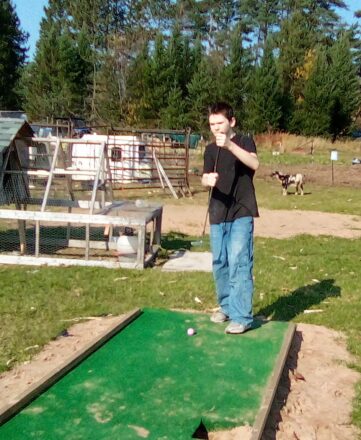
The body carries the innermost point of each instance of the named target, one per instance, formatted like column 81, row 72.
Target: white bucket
column 127, row 244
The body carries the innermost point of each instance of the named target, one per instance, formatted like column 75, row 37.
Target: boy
column 229, row 166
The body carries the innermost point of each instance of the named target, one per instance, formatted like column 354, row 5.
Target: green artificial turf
column 154, row 381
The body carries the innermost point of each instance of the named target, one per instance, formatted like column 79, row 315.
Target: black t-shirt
column 234, row 195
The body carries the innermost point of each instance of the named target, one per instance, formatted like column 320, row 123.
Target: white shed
column 128, row 157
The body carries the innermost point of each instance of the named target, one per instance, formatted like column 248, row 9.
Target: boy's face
column 218, row 123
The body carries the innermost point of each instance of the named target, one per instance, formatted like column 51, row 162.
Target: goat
column 289, row 179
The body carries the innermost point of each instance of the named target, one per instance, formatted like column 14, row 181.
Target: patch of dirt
column 314, row 397
column 190, row 219
column 315, row 393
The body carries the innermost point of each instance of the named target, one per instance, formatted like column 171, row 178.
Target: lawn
column 290, row 276
column 342, row 200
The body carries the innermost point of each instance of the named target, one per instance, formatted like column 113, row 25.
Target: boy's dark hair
column 222, row 108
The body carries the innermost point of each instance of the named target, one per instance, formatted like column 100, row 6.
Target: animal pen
column 71, row 184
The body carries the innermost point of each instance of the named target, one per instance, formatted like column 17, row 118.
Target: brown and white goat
column 290, row 179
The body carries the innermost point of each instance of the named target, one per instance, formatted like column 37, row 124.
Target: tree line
column 290, row 65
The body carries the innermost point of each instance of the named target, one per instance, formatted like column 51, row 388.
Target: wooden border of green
column 44, row 383
column 258, row 427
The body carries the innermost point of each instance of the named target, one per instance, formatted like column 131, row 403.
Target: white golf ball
column 191, row 331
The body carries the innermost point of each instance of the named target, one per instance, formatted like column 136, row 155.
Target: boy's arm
column 250, row 159
column 209, row 177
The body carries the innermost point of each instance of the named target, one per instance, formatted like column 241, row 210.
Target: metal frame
column 103, row 212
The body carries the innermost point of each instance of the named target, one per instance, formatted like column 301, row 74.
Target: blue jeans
column 232, row 250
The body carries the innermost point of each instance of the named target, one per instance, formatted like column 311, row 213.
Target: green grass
column 343, row 200
column 320, row 157
column 290, row 276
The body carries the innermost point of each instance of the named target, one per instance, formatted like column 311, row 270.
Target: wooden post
column 141, row 246
column 22, row 232
column 332, row 172
column 334, row 156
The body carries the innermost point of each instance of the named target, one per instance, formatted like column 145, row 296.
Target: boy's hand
column 222, row 140
column 210, row 179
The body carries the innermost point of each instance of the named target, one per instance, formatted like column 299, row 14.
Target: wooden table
column 136, row 215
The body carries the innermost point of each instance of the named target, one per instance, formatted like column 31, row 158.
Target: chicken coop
column 57, row 204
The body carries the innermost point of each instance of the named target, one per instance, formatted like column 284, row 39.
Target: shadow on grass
column 175, row 241
column 309, row 193
column 289, row 306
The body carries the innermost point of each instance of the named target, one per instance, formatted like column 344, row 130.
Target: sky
column 30, row 13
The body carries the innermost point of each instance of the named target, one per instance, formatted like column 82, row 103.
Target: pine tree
column 110, row 77
column 187, row 65
column 264, row 106
column 111, row 88
column 234, row 77
column 295, row 40
column 202, row 94
column 105, row 24
column 55, row 84
column 346, row 88
column 174, row 54
column 332, row 93
column 312, row 113
column 162, row 79
column 138, row 86
column 173, row 116
column 12, row 56
column 259, row 18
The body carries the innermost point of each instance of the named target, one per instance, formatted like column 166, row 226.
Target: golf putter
column 210, row 194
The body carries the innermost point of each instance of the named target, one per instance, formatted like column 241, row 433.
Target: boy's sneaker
column 218, row 317
column 234, row 328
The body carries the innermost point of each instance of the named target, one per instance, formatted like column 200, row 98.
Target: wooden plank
column 84, row 204
column 22, row 236
column 141, row 246
column 158, row 229
column 22, row 231
column 47, row 381
column 155, row 160
column 57, row 262
column 129, row 206
column 96, row 180
column 37, row 238
column 65, row 140
column 127, row 219
column 56, row 171
column 41, row 261
column 161, row 169
column 50, row 178
column 87, row 240
column 260, row 422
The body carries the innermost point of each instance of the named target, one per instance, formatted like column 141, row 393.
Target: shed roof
column 9, row 128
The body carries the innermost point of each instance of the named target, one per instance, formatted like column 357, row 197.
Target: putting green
column 152, row 380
